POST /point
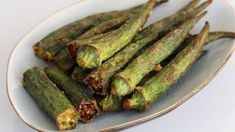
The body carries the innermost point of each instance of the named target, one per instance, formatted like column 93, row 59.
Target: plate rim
column 130, row 123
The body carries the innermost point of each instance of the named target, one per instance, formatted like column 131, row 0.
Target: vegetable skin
column 49, row 46
column 167, row 23
column 64, row 57
column 79, row 74
column 145, row 95
column 80, row 97
column 91, row 55
column 105, row 26
column 125, row 81
column 111, row 103
column 99, row 80
column 50, row 98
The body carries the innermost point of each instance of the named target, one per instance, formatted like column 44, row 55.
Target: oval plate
column 199, row 75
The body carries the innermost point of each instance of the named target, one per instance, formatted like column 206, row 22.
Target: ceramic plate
column 221, row 16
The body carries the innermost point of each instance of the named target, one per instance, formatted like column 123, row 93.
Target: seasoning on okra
column 65, row 58
column 99, row 79
column 145, row 95
column 125, row 81
column 91, row 55
column 53, row 43
column 111, row 103
column 79, row 74
column 182, row 15
column 79, row 95
column 49, row 98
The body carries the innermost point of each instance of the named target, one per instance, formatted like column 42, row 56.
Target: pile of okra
column 112, row 61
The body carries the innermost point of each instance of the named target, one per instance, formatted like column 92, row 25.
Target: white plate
column 221, row 17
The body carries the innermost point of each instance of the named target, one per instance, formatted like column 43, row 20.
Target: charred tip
column 210, row 1
column 206, row 27
column 73, row 48
column 41, row 53
column 207, row 2
column 87, row 110
column 94, row 84
column 126, row 104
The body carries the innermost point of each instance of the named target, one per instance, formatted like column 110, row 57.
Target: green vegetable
column 145, row 95
column 64, row 57
column 114, row 103
column 213, row 36
column 91, row 55
column 57, row 40
column 64, row 60
column 125, row 81
column 111, row 103
column 50, row 98
column 81, row 98
column 99, row 79
column 180, row 16
column 79, row 74
column 105, row 26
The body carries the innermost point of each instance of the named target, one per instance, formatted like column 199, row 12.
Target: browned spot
column 158, row 68
column 88, row 110
column 126, row 104
column 40, row 52
column 94, row 84
column 73, row 48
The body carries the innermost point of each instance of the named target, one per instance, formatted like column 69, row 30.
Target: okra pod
column 105, row 26
column 99, row 80
column 50, row 98
column 186, row 12
column 213, row 36
column 180, row 16
column 111, row 103
column 125, row 81
column 91, row 55
column 80, row 97
column 79, row 74
column 57, row 40
column 64, row 60
column 145, row 95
